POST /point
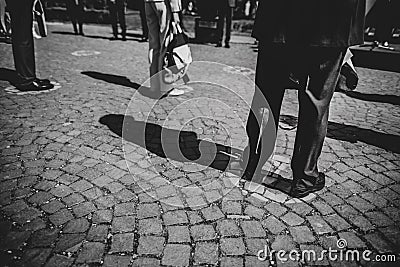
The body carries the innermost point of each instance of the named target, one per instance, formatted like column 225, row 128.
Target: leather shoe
column 35, row 86
column 42, row 81
column 219, row 44
column 302, row 187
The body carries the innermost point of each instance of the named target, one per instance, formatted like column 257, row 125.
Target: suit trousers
column 225, row 12
column 22, row 39
column 318, row 70
column 158, row 16
column 117, row 14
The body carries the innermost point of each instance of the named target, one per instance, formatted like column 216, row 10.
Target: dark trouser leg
column 271, row 76
column 80, row 16
column 121, row 17
column 229, row 14
column 113, row 18
column 22, row 39
column 143, row 20
column 220, row 23
column 323, row 66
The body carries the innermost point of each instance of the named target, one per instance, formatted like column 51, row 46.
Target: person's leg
column 154, row 45
column 323, row 66
column 271, row 75
column 229, row 15
column 121, row 17
column 113, row 19
column 143, row 21
column 22, row 40
column 80, row 16
column 220, row 24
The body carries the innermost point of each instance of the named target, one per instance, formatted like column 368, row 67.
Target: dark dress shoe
column 302, row 187
column 42, row 81
column 34, row 86
column 227, row 45
column 219, row 44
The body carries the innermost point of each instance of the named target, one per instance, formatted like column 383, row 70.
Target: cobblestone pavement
column 74, row 193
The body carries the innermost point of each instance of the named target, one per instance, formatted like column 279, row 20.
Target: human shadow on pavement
column 389, row 99
column 86, row 35
column 111, row 78
column 183, row 146
column 8, row 75
column 354, row 134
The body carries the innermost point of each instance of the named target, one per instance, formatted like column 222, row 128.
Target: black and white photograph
column 214, row 133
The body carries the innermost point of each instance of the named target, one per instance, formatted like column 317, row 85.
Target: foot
column 81, row 33
column 227, row 45
column 301, row 188
column 114, row 38
column 123, row 38
column 175, row 92
column 36, row 85
column 219, row 44
column 42, row 81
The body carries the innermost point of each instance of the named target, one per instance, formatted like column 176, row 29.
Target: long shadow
column 353, row 134
column 8, row 75
column 136, row 37
column 183, row 146
column 111, row 78
column 390, row 99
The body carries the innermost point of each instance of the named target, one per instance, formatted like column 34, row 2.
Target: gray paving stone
column 69, row 242
column 122, row 243
column 212, row 213
column 352, row 240
column 116, row 261
column 178, row 234
column 252, row 229
column 302, row 234
column 92, row 252
column 60, row 217
column 254, row 212
column 231, row 207
column 176, row 255
column 151, row 226
column 59, row 261
column 124, row 209
column 319, row 225
column 148, row 210
column 231, row 262
column 175, row 217
column 273, row 225
column 102, row 216
column 227, row 228
column 151, row 245
column 203, row 232
column 206, row 253
column 97, row 233
column 123, row 224
column 84, row 209
column 292, row 219
column 232, row 246
column 80, row 225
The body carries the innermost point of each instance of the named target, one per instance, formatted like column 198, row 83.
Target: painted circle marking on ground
column 239, row 70
column 85, row 53
column 13, row 90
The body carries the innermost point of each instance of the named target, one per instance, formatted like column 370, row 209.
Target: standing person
column 159, row 14
column 117, row 14
column 309, row 39
column 225, row 12
column 23, row 47
column 143, row 20
column 76, row 12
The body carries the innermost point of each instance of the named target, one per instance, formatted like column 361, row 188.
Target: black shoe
column 302, row 187
column 82, row 34
column 114, row 38
column 123, row 38
column 34, row 86
column 227, row 45
column 42, row 81
column 250, row 168
column 219, row 44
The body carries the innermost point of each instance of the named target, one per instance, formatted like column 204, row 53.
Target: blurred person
column 160, row 14
column 225, row 12
column 23, row 47
column 117, row 14
column 310, row 40
column 76, row 12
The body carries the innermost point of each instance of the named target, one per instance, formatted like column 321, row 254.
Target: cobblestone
column 68, row 198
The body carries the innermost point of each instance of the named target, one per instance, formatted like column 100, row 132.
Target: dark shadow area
column 111, row 78
column 5, row 40
column 389, row 99
column 87, row 36
column 353, row 134
column 378, row 59
column 184, row 146
column 8, row 75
